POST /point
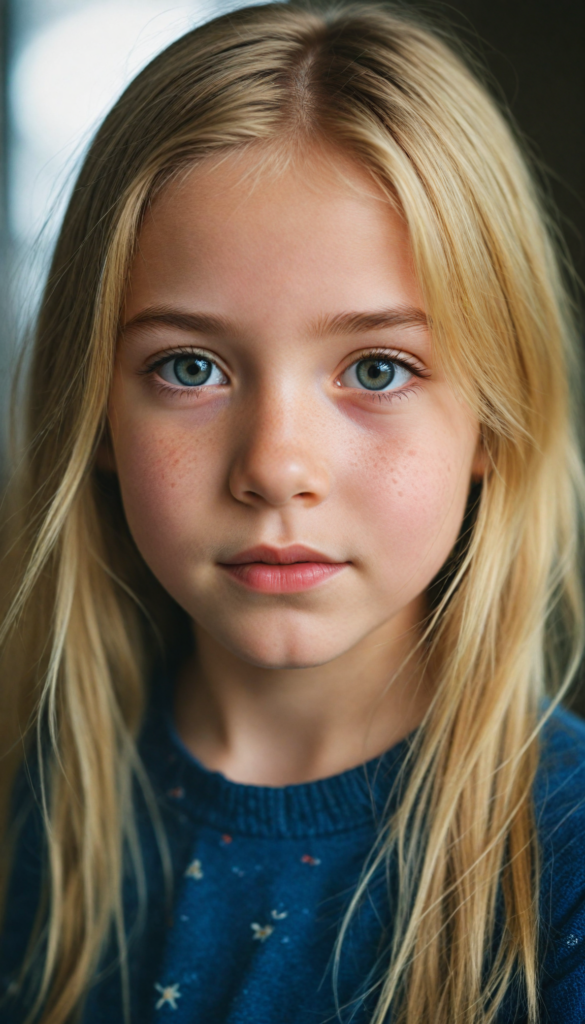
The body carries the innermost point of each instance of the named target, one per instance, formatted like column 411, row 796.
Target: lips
column 279, row 556
column 287, row 570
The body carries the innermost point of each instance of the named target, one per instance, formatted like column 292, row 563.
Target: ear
column 105, row 458
column 480, row 464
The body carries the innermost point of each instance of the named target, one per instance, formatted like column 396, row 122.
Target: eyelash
column 419, row 373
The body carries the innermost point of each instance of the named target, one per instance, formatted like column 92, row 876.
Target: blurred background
column 64, row 62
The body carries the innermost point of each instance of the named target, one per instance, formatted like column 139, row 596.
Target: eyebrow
column 330, row 324
column 356, row 323
column 161, row 316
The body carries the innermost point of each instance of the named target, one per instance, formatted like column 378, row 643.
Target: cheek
column 166, row 479
column 412, row 498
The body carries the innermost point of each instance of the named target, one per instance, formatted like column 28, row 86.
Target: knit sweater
column 262, row 878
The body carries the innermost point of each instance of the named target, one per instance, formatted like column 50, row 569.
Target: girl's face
column 274, row 389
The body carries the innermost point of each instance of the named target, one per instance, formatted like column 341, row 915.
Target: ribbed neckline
column 352, row 799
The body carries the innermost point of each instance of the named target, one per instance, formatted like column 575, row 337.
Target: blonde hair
column 394, row 95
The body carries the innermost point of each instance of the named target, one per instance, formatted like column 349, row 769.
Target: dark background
column 535, row 54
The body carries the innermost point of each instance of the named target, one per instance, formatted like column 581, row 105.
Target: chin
column 302, row 657
column 275, row 650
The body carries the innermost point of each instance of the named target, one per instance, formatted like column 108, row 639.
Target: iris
column 192, row 371
column 375, row 374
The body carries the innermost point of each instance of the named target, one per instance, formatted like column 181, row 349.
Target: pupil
column 192, row 371
column 375, row 374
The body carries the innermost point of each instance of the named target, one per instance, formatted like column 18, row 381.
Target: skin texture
column 286, row 449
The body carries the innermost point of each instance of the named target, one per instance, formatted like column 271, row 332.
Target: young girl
column 296, row 555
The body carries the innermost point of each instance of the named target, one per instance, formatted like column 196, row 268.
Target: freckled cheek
column 412, row 505
column 167, row 478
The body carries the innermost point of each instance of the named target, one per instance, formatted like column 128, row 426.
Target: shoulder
column 559, row 800
column 27, row 842
column 559, row 796
column 559, row 791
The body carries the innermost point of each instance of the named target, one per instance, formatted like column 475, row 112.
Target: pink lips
column 281, row 570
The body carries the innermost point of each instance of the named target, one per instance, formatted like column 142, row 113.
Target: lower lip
column 283, row 579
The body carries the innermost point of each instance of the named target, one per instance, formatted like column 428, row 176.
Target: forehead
column 249, row 237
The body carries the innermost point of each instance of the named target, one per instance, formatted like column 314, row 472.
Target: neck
column 279, row 727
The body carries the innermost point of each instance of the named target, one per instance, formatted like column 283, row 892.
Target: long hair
column 395, row 96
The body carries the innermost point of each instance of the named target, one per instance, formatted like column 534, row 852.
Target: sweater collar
column 362, row 796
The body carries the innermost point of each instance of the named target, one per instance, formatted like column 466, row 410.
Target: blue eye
column 376, row 373
column 191, row 371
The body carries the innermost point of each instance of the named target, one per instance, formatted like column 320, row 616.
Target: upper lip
column 278, row 556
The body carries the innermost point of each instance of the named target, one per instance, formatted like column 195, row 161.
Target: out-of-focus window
column 68, row 61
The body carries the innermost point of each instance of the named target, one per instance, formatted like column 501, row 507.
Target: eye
column 190, row 371
column 376, row 373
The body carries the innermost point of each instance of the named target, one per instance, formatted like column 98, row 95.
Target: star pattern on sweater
column 168, row 994
column 194, row 870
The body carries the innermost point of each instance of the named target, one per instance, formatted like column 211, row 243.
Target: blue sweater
column 262, row 877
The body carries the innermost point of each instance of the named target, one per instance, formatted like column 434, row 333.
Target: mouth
column 270, row 570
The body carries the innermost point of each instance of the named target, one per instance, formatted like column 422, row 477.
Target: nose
column 280, row 459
